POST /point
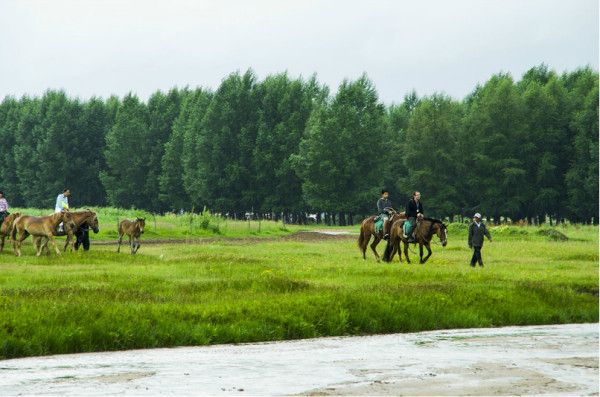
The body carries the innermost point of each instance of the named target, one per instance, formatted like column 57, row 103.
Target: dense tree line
column 524, row 149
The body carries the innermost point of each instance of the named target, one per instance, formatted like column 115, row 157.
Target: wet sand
column 550, row 360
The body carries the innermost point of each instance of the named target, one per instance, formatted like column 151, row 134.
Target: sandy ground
column 551, row 360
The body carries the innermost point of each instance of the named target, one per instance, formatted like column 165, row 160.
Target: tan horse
column 41, row 228
column 79, row 219
column 133, row 229
column 426, row 229
column 367, row 229
column 6, row 227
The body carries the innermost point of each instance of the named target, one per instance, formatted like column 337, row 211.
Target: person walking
column 477, row 230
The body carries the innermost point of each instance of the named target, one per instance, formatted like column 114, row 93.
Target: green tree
column 163, row 109
column 582, row 176
column 284, row 110
column 223, row 172
column 173, row 194
column 126, row 157
column 340, row 157
column 430, row 154
column 494, row 128
column 398, row 119
column 10, row 113
column 26, row 160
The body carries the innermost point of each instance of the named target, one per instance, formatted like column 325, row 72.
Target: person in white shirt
column 3, row 207
column 62, row 204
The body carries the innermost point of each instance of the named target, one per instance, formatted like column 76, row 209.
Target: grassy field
column 297, row 286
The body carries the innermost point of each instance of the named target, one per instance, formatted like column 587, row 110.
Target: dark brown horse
column 133, row 229
column 79, row 219
column 367, row 229
column 426, row 229
column 41, row 228
column 6, row 227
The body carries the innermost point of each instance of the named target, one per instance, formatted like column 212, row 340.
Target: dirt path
column 317, row 235
column 554, row 360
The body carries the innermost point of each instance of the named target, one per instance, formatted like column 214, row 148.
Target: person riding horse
column 385, row 211
column 414, row 211
column 62, row 204
column 3, row 208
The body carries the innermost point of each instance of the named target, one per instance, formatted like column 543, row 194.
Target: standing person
column 477, row 230
column 3, row 207
column 83, row 237
column 414, row 208
column 62, row 204
column 384, row 206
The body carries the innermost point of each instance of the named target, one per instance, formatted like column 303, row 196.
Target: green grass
column 231, row 291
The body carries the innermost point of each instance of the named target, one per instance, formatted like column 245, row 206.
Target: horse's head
column 140, row 223
column 67, row 220
column 442, row 232
column 93, row 222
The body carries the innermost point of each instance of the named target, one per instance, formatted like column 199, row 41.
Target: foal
column 133, row 229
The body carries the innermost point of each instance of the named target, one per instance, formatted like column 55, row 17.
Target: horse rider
column 3, row 207
column 384, row 210
column 62, row 204
column 414, row 211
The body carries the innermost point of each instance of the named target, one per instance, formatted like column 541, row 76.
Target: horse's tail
column 388, row 250
column 361, row 239
column 13, row 230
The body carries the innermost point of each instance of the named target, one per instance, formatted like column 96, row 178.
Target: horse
column 367, row 229
column 426, row 229
column 79, row 219
column 6, row 227
column 133, row 229
column 42, row 230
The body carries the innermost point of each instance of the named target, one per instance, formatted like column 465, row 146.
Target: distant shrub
column 552, row 234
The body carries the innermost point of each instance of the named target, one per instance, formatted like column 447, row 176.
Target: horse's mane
column 433, row 220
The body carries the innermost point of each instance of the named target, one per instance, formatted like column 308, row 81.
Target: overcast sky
column 113, row 47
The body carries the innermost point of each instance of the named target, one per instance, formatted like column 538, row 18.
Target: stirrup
column 386, row 236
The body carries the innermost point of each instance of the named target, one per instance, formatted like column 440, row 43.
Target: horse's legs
column 421, row 253
column 428, row 252
column 51, row 238
column 131, row 244
column 137, row 244
column 66, row 243
column 36, row 243
column 374, row 245
column 19, row 240
column 365, row 243
column 406, row 252
column 45, row 247
column 119, row 242
column 397, row 249
column 2, row 244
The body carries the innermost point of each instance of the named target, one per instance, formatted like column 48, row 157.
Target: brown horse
column 79, row 219
column 367, row 229
column 133, row 229
column 6, row 227
column 426, row 229
column 41, row 228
